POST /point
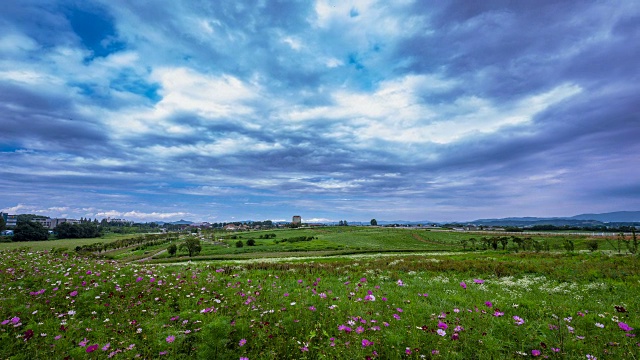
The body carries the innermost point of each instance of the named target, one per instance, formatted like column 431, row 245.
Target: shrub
column 239, row 244
column 251, row 242
column 172, row 249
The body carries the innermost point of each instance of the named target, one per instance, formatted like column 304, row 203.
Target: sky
column 260, row 110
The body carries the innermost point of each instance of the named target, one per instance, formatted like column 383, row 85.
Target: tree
column 251, row 242
column 192, row 245
column 239, row 244
column 30, row 231
column 374, row 222
column 172, row 249
column 3, row 224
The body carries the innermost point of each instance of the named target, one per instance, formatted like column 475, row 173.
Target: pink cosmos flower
column 535, row 352
column 498, row 313
column 83, row 343
column 463, row 285
column 396, row 316
column 624, row 326
column 92, row 348
column 366, row 343
column 478, row 281
column 455, row 336
column 441, row 332
column 442, row 325
column 73, row 293
column 171, row 339
column 359, row 330
column 518, row 320
column 242, row 342
column 488, row 303
column 106, row 347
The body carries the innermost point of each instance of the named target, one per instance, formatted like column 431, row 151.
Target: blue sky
column 235, row 110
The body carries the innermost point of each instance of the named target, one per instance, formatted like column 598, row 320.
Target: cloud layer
column 331, row 110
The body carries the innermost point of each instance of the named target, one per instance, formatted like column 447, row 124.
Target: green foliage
column 192, row 245
column 3, row 224
column 172, row 249
column 295, row 239
column 239, row 244
column 251, row 242
column 374, row 222
column 632, row 244
column 30, row 231
column 592, row 245
column 568, row 245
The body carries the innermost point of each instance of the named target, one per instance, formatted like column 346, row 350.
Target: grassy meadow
column 356, row 293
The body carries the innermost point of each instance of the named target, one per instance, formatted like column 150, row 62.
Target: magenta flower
column 396, row 316
column 359, row 330
column 442, row 325
column 463, row 285
column 92, row 348
column 455, row 336
column 15, row 320
column 478, row 281
column 73, row 293
column 244, row 358
column 407, row 351
column 624, row 326
column 363, row 280
column 535, row 352
column 366, row 343
column 27, row 335
column 171, row 339
column 498, row 313
column 488, row 303
column 83, row 343
column 139, row 278
column 106, row 347
column 242, row 342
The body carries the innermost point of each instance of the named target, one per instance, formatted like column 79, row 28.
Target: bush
column 592, row 245
column 251, row 242
column 239, row 244
column 172, row 249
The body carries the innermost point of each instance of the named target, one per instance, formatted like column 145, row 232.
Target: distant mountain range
column 583, row 219
column 577, row 220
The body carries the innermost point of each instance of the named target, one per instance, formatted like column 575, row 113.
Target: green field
column 63, row 243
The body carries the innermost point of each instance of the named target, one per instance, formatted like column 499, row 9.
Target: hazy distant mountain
column 617, row 216
column 582, row 220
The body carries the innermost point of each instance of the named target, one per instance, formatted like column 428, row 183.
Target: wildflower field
column 481, row 305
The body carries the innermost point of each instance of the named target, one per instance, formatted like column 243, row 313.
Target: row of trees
column 86, row 229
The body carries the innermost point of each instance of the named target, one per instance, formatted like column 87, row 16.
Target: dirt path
column 421, row 239
column 151, row 257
